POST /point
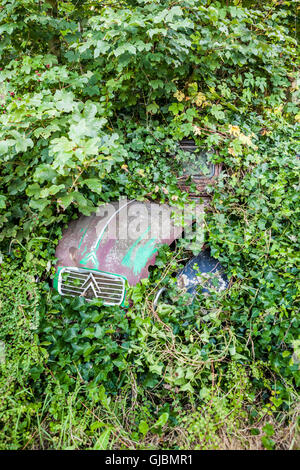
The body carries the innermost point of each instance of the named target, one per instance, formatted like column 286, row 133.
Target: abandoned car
column 100, row 255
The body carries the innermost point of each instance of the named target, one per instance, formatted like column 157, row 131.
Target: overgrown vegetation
column 94, row 98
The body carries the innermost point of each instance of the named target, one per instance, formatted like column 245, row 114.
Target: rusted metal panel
column 201, row 183
column 120, row 238
column 193, row 169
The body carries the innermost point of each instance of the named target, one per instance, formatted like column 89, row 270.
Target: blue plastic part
column 202, row 270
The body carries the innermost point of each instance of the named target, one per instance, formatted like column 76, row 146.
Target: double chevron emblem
column 90, row 286
column 90, row 257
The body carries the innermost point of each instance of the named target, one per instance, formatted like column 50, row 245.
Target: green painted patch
column 81, row 240
column 90, row 257
column 137, row 256
column 55, row 280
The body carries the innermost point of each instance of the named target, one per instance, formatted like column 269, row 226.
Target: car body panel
column 202, row 271
column 121, row 239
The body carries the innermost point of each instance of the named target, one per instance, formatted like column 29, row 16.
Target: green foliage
column 93, row 101
column 66, row 117
column 253, row 231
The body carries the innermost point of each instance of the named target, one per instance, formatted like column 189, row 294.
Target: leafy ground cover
column 93, row 99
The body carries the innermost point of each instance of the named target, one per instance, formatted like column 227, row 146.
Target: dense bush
column 94, row 99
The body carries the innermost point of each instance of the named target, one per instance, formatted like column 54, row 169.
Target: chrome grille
column 91, row 284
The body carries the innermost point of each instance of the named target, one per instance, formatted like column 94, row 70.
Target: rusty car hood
column 121, row 238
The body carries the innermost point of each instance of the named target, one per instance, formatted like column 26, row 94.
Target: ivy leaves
column 64, row 101
column 66, row 117
column 93, row 102
column 19, row 144
column 75, row 148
